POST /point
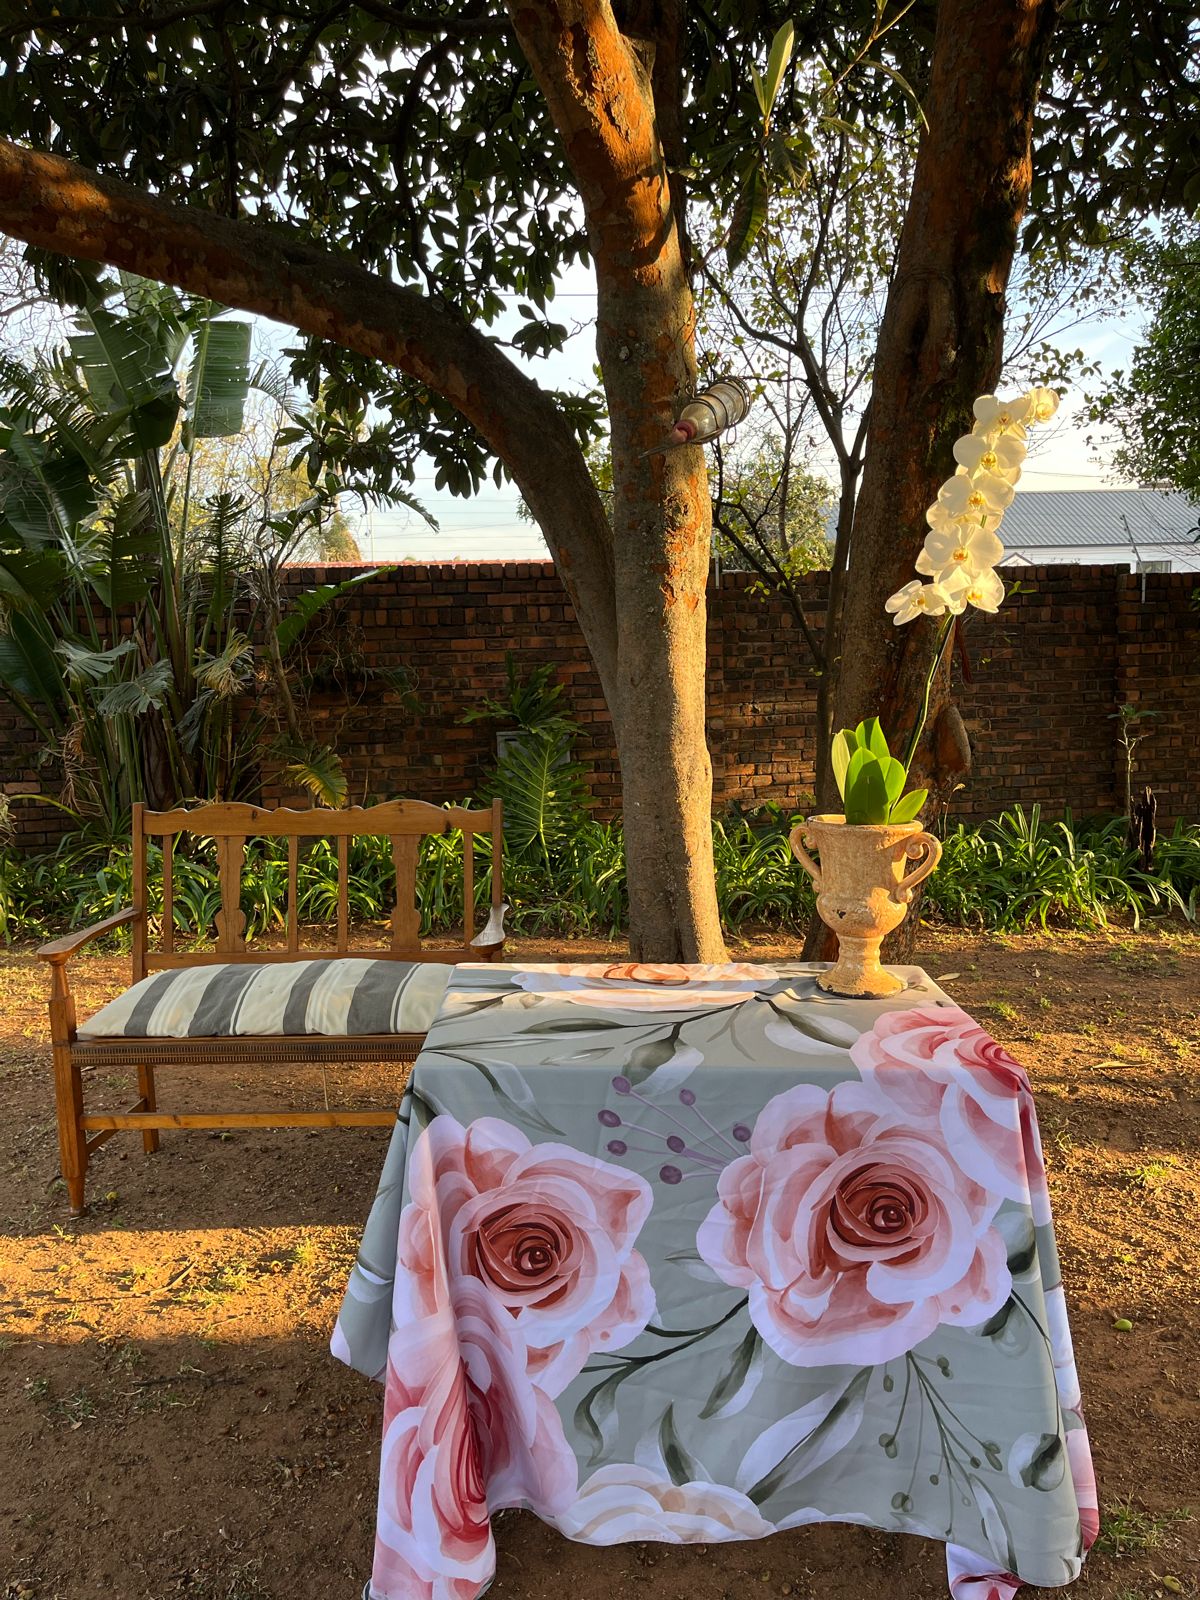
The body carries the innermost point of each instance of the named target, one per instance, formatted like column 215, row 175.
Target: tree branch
column 269, row 268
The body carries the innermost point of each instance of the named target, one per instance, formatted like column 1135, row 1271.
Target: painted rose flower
column 646, row 986
column 970, row 1581
column 546, row 1230
column 1083, row 1477
column 625, row 1502
column 465, row 1434
column 936, row 1063
column 855, row 1234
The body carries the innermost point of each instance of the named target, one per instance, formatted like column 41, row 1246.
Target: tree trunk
column 600, row 84
column 940, row 345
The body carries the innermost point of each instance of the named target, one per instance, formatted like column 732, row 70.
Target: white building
column 1144, row 530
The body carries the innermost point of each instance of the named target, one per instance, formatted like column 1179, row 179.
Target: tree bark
column 600, row 84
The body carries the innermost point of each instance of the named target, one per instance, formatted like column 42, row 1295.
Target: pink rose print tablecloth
column 701, row 1253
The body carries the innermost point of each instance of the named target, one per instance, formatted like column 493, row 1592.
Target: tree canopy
column 389, row 179
column 1154, row 406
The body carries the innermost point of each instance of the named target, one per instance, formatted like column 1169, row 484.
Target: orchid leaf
column 844, row 747
column 894, row 778
column 907, row 808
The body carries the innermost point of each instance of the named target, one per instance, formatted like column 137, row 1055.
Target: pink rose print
column 645, row 986
column 548, row 1231
column 855, row 1234
column 465, row 1433
column 1083, row 1477
column 969, row 1579
column 938, row 1065
column 625, row 1502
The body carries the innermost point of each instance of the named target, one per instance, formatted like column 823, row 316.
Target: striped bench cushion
column 344, row 995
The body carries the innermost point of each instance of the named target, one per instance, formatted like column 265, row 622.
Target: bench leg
column 146, row 1090
column 72, row 1145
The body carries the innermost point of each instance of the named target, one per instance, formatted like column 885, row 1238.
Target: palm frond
column 318, row 770
column 135, row 696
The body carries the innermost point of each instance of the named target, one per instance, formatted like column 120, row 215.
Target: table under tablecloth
column 698, row 1254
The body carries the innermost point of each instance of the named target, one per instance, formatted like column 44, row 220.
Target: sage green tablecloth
column 701, row 1253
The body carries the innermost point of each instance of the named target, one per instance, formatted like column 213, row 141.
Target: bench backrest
column 230, row 825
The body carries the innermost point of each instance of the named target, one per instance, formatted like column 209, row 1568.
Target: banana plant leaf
column 28, row 664
column 127, row 373
column 218, row 381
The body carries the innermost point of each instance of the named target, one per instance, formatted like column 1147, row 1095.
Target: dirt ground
column 171, row 1422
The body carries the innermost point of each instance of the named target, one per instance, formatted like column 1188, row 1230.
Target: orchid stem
column 938, row 657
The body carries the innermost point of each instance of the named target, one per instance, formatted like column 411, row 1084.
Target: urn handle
column 803, row 857
column 903, row 892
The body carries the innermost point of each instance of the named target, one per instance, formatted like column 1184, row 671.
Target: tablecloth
column 698, row 1254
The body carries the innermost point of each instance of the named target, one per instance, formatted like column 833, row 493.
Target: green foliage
column 1018, row 871
column 1014, row 872
column 869, row 778
column 126, row 603
column 535, row 702
column 1154, row 407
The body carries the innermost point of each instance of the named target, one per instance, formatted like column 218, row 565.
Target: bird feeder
column 720, row 406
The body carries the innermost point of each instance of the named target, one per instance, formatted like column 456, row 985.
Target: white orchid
column 971, row 494
column 938, row 516
column 959, row 555
column 999, row 457
column 998, row 417
column 916, row 599
column 958, row 549
column 1043, row 404
column 984, row 590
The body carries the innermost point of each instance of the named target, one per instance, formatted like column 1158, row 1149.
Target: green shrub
column 1013, row 872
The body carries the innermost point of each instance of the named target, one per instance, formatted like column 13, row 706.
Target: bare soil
column 172, row 1424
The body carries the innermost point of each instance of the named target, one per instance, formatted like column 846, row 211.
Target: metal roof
column 1118, row 519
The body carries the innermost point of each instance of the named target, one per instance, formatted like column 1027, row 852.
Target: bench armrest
column 58, row 950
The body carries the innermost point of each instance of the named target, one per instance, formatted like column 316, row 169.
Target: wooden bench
column 404, row 822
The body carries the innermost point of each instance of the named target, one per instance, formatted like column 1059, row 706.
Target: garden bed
column 173, row 1424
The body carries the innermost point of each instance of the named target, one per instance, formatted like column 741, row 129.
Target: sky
column 487, row 527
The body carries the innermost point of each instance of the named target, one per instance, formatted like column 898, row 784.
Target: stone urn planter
column 863, row 892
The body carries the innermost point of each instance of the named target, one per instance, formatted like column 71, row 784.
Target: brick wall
column 1047, row 673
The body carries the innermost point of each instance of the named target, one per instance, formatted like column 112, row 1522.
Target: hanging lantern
column 721, row 405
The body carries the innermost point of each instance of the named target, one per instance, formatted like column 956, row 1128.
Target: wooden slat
column 138, row 846
column 406, row 919
column 157, row 962
column 247, row 1050
column 293, row 894
column 468, row 887
column 231, row 919
column 168, row 910
column 106, row 1134
column 240, row 1119
column 223, row 818
column 343, row 903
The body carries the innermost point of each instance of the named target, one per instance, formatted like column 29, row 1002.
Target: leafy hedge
column 1013, row 872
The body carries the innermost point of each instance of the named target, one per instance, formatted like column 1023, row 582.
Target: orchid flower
column 958, row 548
column 917, row 599
column 975, row 493
column 1001, row 457
column 997, row 417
